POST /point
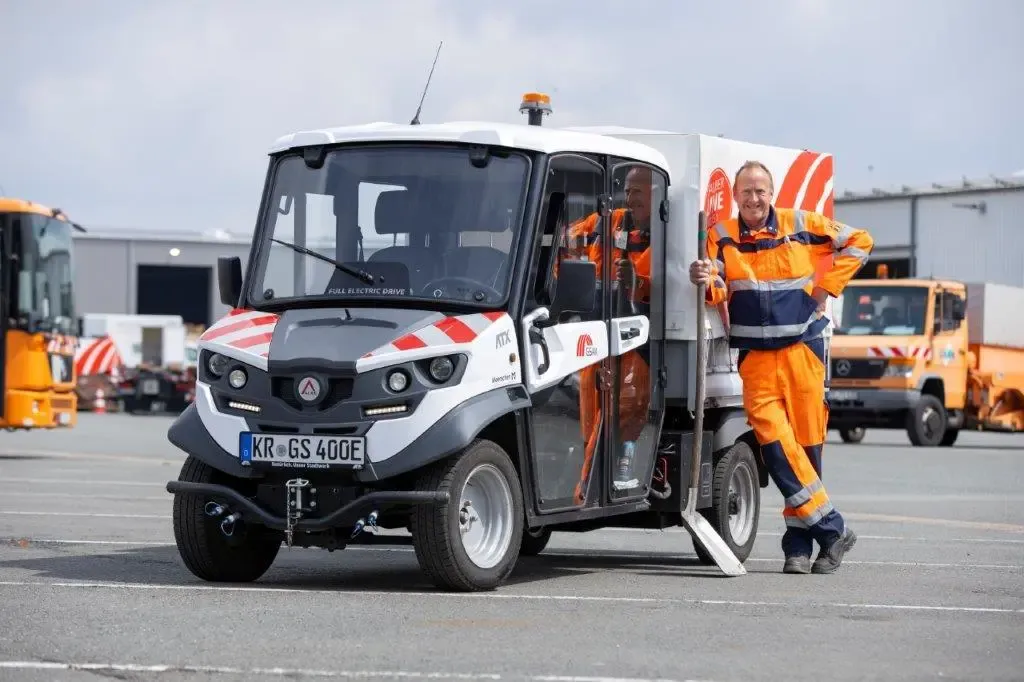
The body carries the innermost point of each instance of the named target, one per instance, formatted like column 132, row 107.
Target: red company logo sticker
column 718, row 198
column 585, row 346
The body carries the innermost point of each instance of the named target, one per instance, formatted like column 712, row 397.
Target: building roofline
column 990, row 184
column 177, row 236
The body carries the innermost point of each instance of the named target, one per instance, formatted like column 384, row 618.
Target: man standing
column 764, row 264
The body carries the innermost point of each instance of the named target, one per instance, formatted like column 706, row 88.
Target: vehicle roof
column 12, row 205
column 522, row 136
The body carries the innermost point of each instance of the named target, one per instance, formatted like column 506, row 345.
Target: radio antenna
column 416, row 119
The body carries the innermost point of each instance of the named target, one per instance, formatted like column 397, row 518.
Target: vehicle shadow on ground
column 381, row 569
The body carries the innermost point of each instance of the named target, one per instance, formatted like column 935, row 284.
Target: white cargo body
column 994, row 314
column 702, row 169
column 155, row 340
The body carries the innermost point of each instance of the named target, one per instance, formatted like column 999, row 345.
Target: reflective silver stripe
column 843, row 236
column 798, row 221
column 720, row 265
column 803, row 496
column 719, row 231
column 771, row 284
column 811, row 519
column 772, row 331
column 859, row 254
column 795, row 522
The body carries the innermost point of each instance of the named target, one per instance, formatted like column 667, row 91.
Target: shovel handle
column 702, row 356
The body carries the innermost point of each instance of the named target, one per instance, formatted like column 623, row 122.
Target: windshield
column 883, row 310
column 386, row 222
column 45, row 273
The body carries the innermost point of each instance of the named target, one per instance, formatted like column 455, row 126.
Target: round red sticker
column 718, row 198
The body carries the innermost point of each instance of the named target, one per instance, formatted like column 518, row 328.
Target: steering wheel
column 436, row 289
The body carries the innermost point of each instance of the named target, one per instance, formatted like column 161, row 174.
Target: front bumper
column 344, row 515
column 870, row 406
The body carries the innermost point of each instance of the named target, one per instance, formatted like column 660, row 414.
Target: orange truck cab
column 932, row 357
column 38, row 324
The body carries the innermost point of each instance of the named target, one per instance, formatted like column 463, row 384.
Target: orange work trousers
column 634, row 404
column 784, row 398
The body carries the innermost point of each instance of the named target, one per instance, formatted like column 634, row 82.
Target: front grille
column 858, row 368
column 283, row 388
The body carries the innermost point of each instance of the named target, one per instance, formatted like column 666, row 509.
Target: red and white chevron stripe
column 246, row 330
column 98, row 356
column 923, row 352
column 62, row 344
column 451, row 330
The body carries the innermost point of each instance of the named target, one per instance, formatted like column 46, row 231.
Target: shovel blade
column 712, row 543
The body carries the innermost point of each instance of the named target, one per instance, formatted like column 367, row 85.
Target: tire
column 852, row 435
column 736, row 485
column 949, row 438
column 497, row 509
column 209, row 554
column 927, row 422
column 534, row 542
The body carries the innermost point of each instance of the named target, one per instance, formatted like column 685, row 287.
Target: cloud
column 158, row 115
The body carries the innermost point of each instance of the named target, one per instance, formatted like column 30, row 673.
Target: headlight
column 237, row 378
column 441, row 369
column 217, row 364
column 398, row 381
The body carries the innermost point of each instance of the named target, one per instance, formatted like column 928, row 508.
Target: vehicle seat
column 394, row 215
column 483, row 264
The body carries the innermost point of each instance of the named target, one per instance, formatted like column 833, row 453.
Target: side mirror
column 229, row 279
column 576, row 291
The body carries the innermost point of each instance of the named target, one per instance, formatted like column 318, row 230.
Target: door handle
column 537, row 338
column 630, row 333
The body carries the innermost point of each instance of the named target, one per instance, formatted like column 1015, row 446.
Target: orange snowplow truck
column 38, row 324
column 933, row 357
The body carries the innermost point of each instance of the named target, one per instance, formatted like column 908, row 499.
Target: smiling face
column 638, row 193
column 754, row 191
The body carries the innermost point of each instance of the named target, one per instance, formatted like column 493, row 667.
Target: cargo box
column 995, row 315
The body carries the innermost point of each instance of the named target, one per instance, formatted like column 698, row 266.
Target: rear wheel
column 852, row 435
column 239, row 552
column 736, row 502
column 534, row 541
column 471, row 542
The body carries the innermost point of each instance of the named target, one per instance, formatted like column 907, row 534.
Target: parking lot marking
column 304, row 672
column 575, row 598
column 86, row 514
column 862, row 536
column 83, row 481
column 98, row 456
column 595, row 554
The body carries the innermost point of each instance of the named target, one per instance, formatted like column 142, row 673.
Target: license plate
column 313, row 452
column 842, row 395
column 150, row 387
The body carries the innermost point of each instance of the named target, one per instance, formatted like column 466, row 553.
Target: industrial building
column 972, row 231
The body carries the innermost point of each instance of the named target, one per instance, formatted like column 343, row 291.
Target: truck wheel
column 210, row 554
column 736, row 502
column 854, row 435
column 950, row 437
column 534, row 542
column 927, row 422
column 471, row 542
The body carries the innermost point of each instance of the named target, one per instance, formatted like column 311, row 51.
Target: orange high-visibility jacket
column 767, row 275
column 583, row 239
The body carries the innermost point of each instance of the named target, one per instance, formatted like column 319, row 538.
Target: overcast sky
column 157, row 115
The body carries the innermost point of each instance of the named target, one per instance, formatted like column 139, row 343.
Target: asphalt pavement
column 91, row 584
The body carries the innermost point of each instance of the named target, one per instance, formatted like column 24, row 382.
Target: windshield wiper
column 347, row 269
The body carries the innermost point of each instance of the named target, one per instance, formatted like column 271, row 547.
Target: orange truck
column 930, row 356
column 38, row 324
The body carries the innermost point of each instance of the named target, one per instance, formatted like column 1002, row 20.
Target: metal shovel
column 700, row 529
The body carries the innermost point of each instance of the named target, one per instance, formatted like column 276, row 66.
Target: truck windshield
column 45, row 274
column 438, row 223
column 883, row 310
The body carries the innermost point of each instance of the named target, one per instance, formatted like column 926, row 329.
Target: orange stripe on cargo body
column 790, row 188
column 816, row 186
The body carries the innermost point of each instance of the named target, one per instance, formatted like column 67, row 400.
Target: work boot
column 797, row 564
column 830, row 557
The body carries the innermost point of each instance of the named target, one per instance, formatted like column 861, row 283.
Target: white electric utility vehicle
column 433, row 334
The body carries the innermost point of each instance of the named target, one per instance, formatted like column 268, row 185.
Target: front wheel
column 236, row 553
column 927, row 422
column 471, row 542
column 852, row 435
column 736, row 502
